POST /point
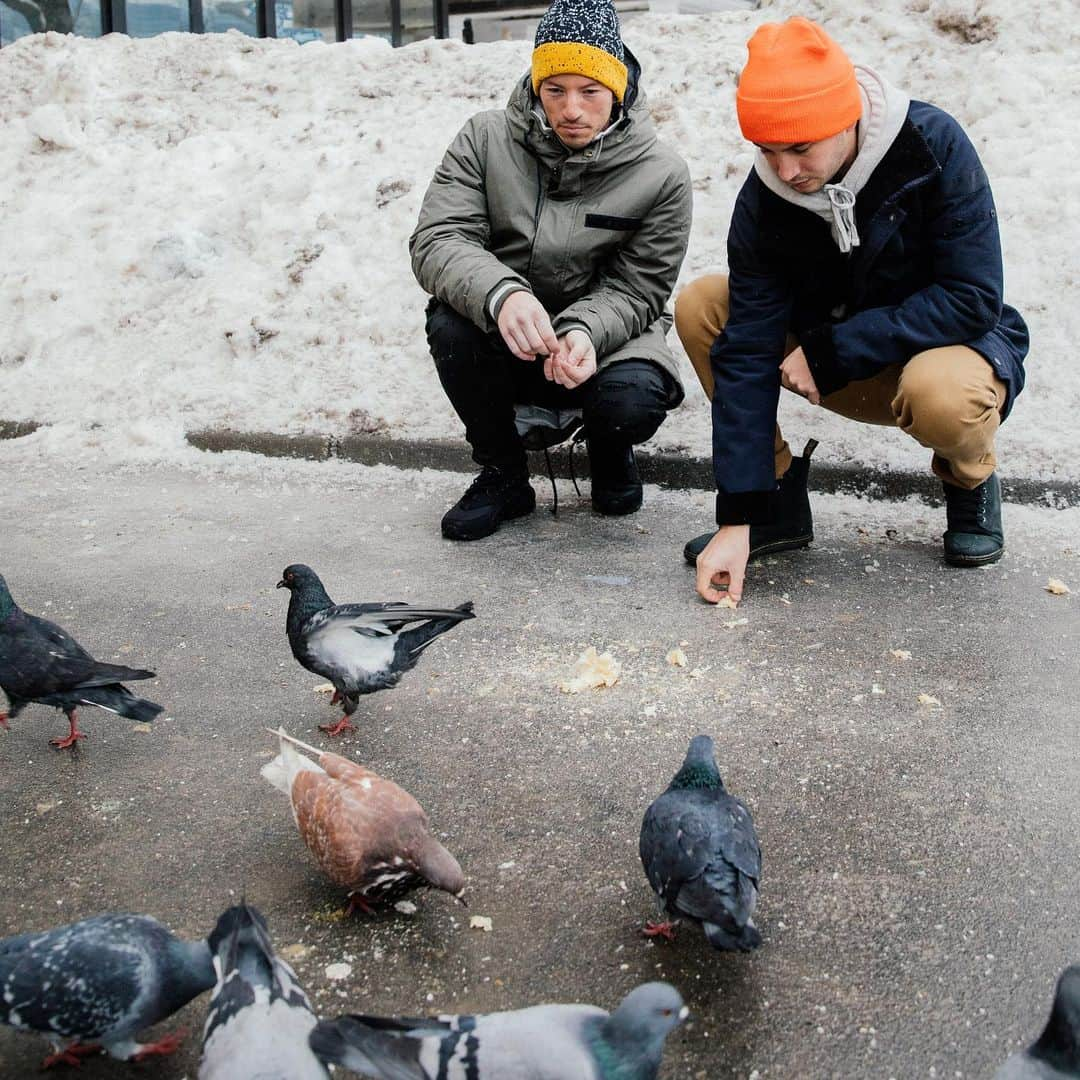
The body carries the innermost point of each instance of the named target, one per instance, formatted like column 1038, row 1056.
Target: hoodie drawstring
column 842, row 204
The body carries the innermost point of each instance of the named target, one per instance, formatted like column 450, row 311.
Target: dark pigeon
column 360, row 648
column 259, row 1020
column 40, row 661
column 1055, row 1054
column 701, row 854
column 95, row 984
column 546, row 1042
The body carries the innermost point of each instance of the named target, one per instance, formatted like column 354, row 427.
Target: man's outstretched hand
column 723, row 562
column 526, row 327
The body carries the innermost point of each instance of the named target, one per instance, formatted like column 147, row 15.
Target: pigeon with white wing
column 359, row 648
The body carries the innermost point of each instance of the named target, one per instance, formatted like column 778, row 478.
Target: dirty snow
column 211, row 230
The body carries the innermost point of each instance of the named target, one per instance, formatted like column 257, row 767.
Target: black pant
column 623, row 404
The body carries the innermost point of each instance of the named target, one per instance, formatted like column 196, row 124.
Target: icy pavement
column 904, row 734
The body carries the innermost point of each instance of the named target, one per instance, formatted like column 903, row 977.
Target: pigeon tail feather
column 412, row 642
column 349, row 1042
column 117, row 699
column 732, row 939
column 283, row 770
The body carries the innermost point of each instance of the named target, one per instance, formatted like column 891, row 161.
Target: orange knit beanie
column 798, row 85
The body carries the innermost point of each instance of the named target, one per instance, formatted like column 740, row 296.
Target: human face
column 577, row 108
column 808, row 167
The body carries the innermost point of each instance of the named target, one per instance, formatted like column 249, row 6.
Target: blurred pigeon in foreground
column 360, row 648
column 259, row 1020
column 1055, row 1054
column 546, row 1042
column 99, row 982
column 367, row 834
column 701, row 854
column 41, row 662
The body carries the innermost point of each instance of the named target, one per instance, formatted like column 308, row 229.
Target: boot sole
column 975, row 560
column 766, row 549
column 464, row 533
column 618, row 509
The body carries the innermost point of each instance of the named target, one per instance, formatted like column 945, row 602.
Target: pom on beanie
column 798, row 85
column 580, row 37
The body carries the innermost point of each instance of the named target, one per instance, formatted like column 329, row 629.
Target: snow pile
column 212, row 230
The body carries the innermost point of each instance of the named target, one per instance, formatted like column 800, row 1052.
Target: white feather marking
column 339, row 646
column 283, row 770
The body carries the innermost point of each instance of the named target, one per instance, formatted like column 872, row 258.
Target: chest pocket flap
column 610, row 221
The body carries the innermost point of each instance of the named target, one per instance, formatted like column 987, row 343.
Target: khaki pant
column 948, row 399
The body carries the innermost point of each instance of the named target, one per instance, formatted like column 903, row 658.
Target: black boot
column 493, row 497
column 616, row 483
column 793, row 526
column 974, row 536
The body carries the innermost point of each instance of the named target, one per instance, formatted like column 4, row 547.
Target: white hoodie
column 884, row 111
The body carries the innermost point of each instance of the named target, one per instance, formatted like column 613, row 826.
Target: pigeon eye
column 666, row 1012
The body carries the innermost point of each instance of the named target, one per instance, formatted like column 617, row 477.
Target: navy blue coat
column 926, row 274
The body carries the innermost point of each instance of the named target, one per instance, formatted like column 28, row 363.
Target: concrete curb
column 663, row 467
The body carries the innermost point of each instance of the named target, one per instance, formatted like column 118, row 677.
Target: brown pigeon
column 366, row 833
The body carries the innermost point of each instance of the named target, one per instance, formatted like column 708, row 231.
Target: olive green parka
column 596, row 234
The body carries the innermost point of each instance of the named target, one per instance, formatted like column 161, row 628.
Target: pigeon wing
column 390, row 617
column 349, row 649
column 725, row 845
column 39, row 658
column 84, row 980
column 358, row 827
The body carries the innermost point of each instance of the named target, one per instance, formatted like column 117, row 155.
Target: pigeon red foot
column 66, row 741
column 666, row 930
column 71, row 1055
column 3, row 721
column 358, row 903
column 343, row 725
column 167, row 1044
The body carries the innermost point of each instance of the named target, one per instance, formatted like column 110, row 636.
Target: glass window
column 222, row 15
column 145, row 18
column 21, row 17
column 305, row 20
column 417, row 20
column 371, row 18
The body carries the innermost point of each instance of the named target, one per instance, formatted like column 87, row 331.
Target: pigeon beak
column 459, row 897
column 684, row 1012
column 282, row 584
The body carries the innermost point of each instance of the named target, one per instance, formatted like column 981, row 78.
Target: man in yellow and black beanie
column 580, row 37
column 550, row 239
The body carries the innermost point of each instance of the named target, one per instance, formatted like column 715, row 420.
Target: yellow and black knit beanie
column 580, row 37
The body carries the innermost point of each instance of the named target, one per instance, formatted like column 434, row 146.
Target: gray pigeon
column 1055, row 1054
column 260, row 1018
column 546, row 1042
column 40, row 661
column 701, row 854
column 98, row 983
column 360, row 648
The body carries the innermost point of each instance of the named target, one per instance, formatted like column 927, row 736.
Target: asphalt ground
column 920, row 885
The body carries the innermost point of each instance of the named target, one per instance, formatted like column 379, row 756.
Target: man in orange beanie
column 551, row 238
column 864, row 273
